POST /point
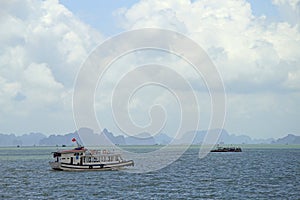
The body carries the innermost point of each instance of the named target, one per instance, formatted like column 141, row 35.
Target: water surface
column 255, row 173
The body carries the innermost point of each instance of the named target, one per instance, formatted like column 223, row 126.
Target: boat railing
column 103, row 152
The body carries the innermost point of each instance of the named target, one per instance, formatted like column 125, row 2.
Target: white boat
column 82, row 159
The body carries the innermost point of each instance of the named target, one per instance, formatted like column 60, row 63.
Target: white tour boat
column 82, row 159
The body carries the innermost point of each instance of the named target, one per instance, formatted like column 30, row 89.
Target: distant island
column 40, row 139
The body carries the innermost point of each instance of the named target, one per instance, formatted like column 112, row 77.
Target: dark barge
column 227, row 149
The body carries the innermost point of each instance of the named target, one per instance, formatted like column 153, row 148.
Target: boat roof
column 72, row 151
column 92, row 152
column 76, row 150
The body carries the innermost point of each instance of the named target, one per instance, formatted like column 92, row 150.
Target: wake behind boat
column 82, row 159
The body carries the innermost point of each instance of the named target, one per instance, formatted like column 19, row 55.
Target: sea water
column 255, row 173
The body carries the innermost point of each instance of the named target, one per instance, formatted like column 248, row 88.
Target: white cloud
column 289, row 10
column 258, row 60
column 293, row 80
column 243, row 47
column 42, row 47
column 7, row 91
column 293, row 3
column 40, row 86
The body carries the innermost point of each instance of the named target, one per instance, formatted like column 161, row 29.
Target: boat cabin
column 82, row 156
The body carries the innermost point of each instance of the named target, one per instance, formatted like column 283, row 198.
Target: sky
column 254, row 45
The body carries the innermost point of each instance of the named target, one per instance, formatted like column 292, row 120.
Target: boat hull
column 227, row 149
column 90, row 167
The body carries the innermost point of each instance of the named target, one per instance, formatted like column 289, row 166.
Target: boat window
column 56, row 154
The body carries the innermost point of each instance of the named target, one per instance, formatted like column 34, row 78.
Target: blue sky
column 252, row 43
column 100, row 14
column 264, row 8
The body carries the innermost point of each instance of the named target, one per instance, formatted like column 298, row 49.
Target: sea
column 259, row 172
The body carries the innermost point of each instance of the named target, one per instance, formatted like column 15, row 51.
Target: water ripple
column 252, row 174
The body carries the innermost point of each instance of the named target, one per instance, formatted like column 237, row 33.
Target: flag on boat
column 73, row 140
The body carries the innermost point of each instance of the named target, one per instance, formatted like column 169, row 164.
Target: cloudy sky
column 254, row 44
